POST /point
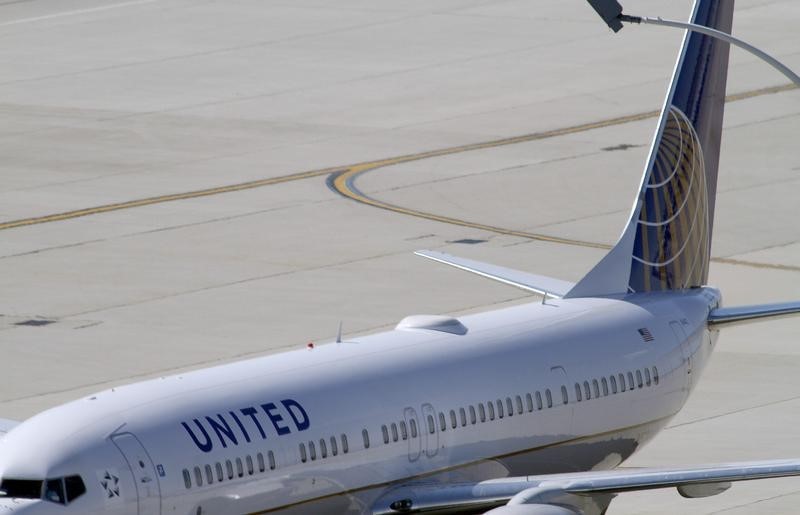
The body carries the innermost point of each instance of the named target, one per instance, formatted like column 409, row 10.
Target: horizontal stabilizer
column 725, row 317
column 529, row 282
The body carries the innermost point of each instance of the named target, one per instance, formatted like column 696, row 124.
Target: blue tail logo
column 671, row 249
column 667, row 242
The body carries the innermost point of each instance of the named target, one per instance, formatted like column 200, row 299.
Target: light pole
column 611, row 12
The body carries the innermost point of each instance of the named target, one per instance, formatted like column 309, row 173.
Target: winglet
column 540, row 284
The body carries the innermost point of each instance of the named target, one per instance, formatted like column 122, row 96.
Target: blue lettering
column 293, row 407
column 222, row 428
column 275, row 418
column 207, row 445
column 251, row 412
column 239, row 423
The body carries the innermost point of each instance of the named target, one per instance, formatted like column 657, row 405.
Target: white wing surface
column 578, row 490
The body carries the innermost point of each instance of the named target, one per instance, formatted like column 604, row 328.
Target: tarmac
column 188, row 183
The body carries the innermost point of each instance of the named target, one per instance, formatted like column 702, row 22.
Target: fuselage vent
column 439, row 323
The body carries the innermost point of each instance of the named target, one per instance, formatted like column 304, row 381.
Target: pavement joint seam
column 342, row 180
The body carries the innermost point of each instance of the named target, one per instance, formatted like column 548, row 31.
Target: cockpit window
column 60, row 490
column 74, row 487
column 54, row 491
column 22, row 488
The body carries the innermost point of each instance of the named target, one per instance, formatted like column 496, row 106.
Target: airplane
column 526, row 410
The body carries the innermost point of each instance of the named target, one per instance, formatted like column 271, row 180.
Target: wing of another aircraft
column 530, row 282
column 6, row 425
column 585, row 493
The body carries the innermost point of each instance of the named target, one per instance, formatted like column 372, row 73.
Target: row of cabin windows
column 218, row 474
column 498, row 409
column 616, row 384
column 323, row 448
column 491, row 410
column 470, row 415
column 399, row 431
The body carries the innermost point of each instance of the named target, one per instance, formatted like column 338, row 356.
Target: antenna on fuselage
column 339, row 333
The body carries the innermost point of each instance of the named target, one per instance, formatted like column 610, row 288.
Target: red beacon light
column 310, row 345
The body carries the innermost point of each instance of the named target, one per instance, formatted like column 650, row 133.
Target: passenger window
column 586, row 390
column 403, row 430
column 249, row 461
column 442, row 422
column 385, row 432
column 335, row 447
column 260, row 460
column 394, row 432
column 509, row 407
column 564, row 394
column 613, row 384
column 229, row 465
column 463, row 415
column 622, row 386
column 239, row 467
column 529, row 402
column 74, row 487
column 303, row 457
column 453, row 421
column 472, row 418
column 578, row 396
column 198, row 476
column 413, row 427
column 519, row 405
column 490, row 405
column 655, row 375
column 538, row 400
column 365, row 436
column 596, row 388
column 647, row 380
column 218, row 466
column 271, row 459
column 549, row 398
column 312, row 451
column 605, row 387
column 631, row 384
column 209, row 475
column 323, row 448
column 639, row 381
column 345, row 448
column 499, row 408
column 187, row 479
column 431, row 424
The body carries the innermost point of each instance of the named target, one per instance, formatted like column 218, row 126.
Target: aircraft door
column 560, row 396
column 431, row 433
column 144, row 473
column 414, row 436
column 686, row 350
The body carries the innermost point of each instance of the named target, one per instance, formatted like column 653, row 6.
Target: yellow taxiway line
column 342, row 178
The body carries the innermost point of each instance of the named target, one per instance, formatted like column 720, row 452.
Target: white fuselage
column 257, row 427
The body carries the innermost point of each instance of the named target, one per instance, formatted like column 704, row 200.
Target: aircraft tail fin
column 666, row 244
